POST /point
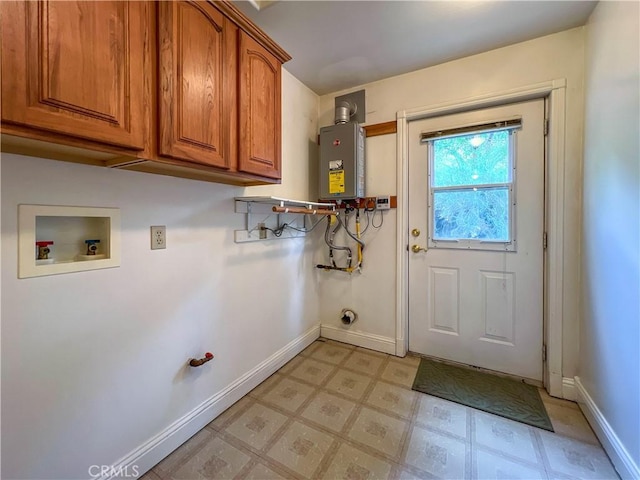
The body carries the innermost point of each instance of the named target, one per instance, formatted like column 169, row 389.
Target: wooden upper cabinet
column 188, row 88
column 197, row 83
column 260, row 110
column 76, row 68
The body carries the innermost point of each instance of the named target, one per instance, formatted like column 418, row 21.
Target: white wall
column 552, row 57
column 610, row 325
column 94, row 363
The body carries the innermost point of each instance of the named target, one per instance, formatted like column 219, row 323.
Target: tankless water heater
column 342, row 162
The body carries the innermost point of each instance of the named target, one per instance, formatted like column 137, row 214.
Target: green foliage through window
column 477, row 214
column 471, row 184
column 456, row 162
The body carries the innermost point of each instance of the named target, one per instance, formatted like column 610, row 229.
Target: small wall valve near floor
column 196, row 362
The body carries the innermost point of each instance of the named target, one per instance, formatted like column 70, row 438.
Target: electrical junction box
column 342, row 162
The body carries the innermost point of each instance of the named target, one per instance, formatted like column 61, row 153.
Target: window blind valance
column 512, row 124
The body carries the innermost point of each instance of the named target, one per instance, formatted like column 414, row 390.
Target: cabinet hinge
column 546, row 127
column 544, row 353
column 544, row 241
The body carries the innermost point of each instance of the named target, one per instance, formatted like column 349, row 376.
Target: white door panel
column 473, row 301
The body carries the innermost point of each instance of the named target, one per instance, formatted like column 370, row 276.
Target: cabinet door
column 76, row 68
column 197, row 83
column 260, row 84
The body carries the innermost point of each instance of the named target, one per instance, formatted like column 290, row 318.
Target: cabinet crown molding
column 240, row 19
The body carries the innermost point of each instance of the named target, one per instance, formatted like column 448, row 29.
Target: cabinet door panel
column 196, row 59
column 78, row 71
column 260, row 85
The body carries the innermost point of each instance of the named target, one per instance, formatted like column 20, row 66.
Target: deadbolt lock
column 415, row 232
column 417, row 249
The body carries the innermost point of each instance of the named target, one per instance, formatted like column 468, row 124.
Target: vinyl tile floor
column 341, row 412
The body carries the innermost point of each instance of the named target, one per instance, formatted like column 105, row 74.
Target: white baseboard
column 360, row 339
column 569, row 389
column 624, row 463
column 147, row 455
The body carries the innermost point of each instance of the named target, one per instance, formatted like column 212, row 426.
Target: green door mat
column 494, row 394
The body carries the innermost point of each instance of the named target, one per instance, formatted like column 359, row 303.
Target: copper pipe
column 308, row 211
column 197, row 362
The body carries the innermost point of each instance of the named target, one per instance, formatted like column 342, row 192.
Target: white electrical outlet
column 262, row 230
column 158, row 237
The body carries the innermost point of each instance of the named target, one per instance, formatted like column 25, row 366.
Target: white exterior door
column 476, row 215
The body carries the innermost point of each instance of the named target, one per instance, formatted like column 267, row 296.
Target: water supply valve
column 43, row 249
column 92, row 246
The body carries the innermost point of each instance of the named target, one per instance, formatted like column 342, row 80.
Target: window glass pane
column 476, row 159
column 471, row 214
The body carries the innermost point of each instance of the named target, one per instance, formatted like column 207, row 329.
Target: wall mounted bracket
column 269, row 213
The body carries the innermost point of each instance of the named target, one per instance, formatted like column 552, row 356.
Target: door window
column 472, row 188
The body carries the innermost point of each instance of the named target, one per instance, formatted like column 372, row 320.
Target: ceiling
column 337, row 45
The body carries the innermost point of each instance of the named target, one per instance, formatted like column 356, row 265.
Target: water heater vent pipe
column 344, row 112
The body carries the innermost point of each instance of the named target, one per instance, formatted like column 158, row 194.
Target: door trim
column 555, row 93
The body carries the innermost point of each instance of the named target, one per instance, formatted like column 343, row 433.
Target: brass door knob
column 417, row 249
column 415, row 232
